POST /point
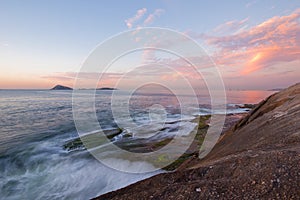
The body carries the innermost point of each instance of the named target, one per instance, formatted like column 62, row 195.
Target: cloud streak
column 139, row 14
column 232, row 26
column 157, row 13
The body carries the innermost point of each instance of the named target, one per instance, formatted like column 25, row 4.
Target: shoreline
column 258, row 157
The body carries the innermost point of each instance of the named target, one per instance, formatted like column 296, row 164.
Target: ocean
column 35, row 125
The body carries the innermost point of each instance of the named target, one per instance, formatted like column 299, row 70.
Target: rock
column 61, row 87
column 258, row 158
column 250, row 106
column 91, row 140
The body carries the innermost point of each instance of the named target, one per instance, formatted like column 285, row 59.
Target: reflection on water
column 247, row 96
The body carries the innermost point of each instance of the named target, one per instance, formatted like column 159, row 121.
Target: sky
column 254, row 44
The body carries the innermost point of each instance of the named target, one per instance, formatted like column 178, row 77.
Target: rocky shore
column 257, row 158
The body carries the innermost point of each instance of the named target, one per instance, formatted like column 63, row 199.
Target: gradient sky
column 255, row 44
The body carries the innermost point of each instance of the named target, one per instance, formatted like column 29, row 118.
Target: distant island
column 106, row 88
column 61, row 87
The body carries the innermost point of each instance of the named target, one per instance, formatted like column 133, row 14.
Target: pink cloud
column 273, row 41
column 151, row 17
column 86, row 79
column 139, row 14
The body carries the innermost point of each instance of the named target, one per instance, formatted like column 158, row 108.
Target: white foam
column 50, row 174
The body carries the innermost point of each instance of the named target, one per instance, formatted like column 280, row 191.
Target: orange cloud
column 273, row 41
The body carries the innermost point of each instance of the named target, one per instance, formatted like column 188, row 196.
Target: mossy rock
column 249, row 106
column 91, row 140
column 173, row 166
column 193, row 150
column 202, row 124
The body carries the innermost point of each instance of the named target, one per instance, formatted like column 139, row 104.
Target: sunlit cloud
column 139, row 14
column 273, row 41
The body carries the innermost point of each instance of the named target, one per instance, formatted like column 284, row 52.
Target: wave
column 44, row 170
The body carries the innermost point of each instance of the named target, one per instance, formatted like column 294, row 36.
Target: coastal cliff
column 258, row 158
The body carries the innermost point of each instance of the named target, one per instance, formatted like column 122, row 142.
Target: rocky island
column 257, row 158
column 61, row 87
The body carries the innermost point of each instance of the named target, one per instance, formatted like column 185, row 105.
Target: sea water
column 35, row 125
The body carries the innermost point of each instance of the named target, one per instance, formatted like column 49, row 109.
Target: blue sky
column 38, row 38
